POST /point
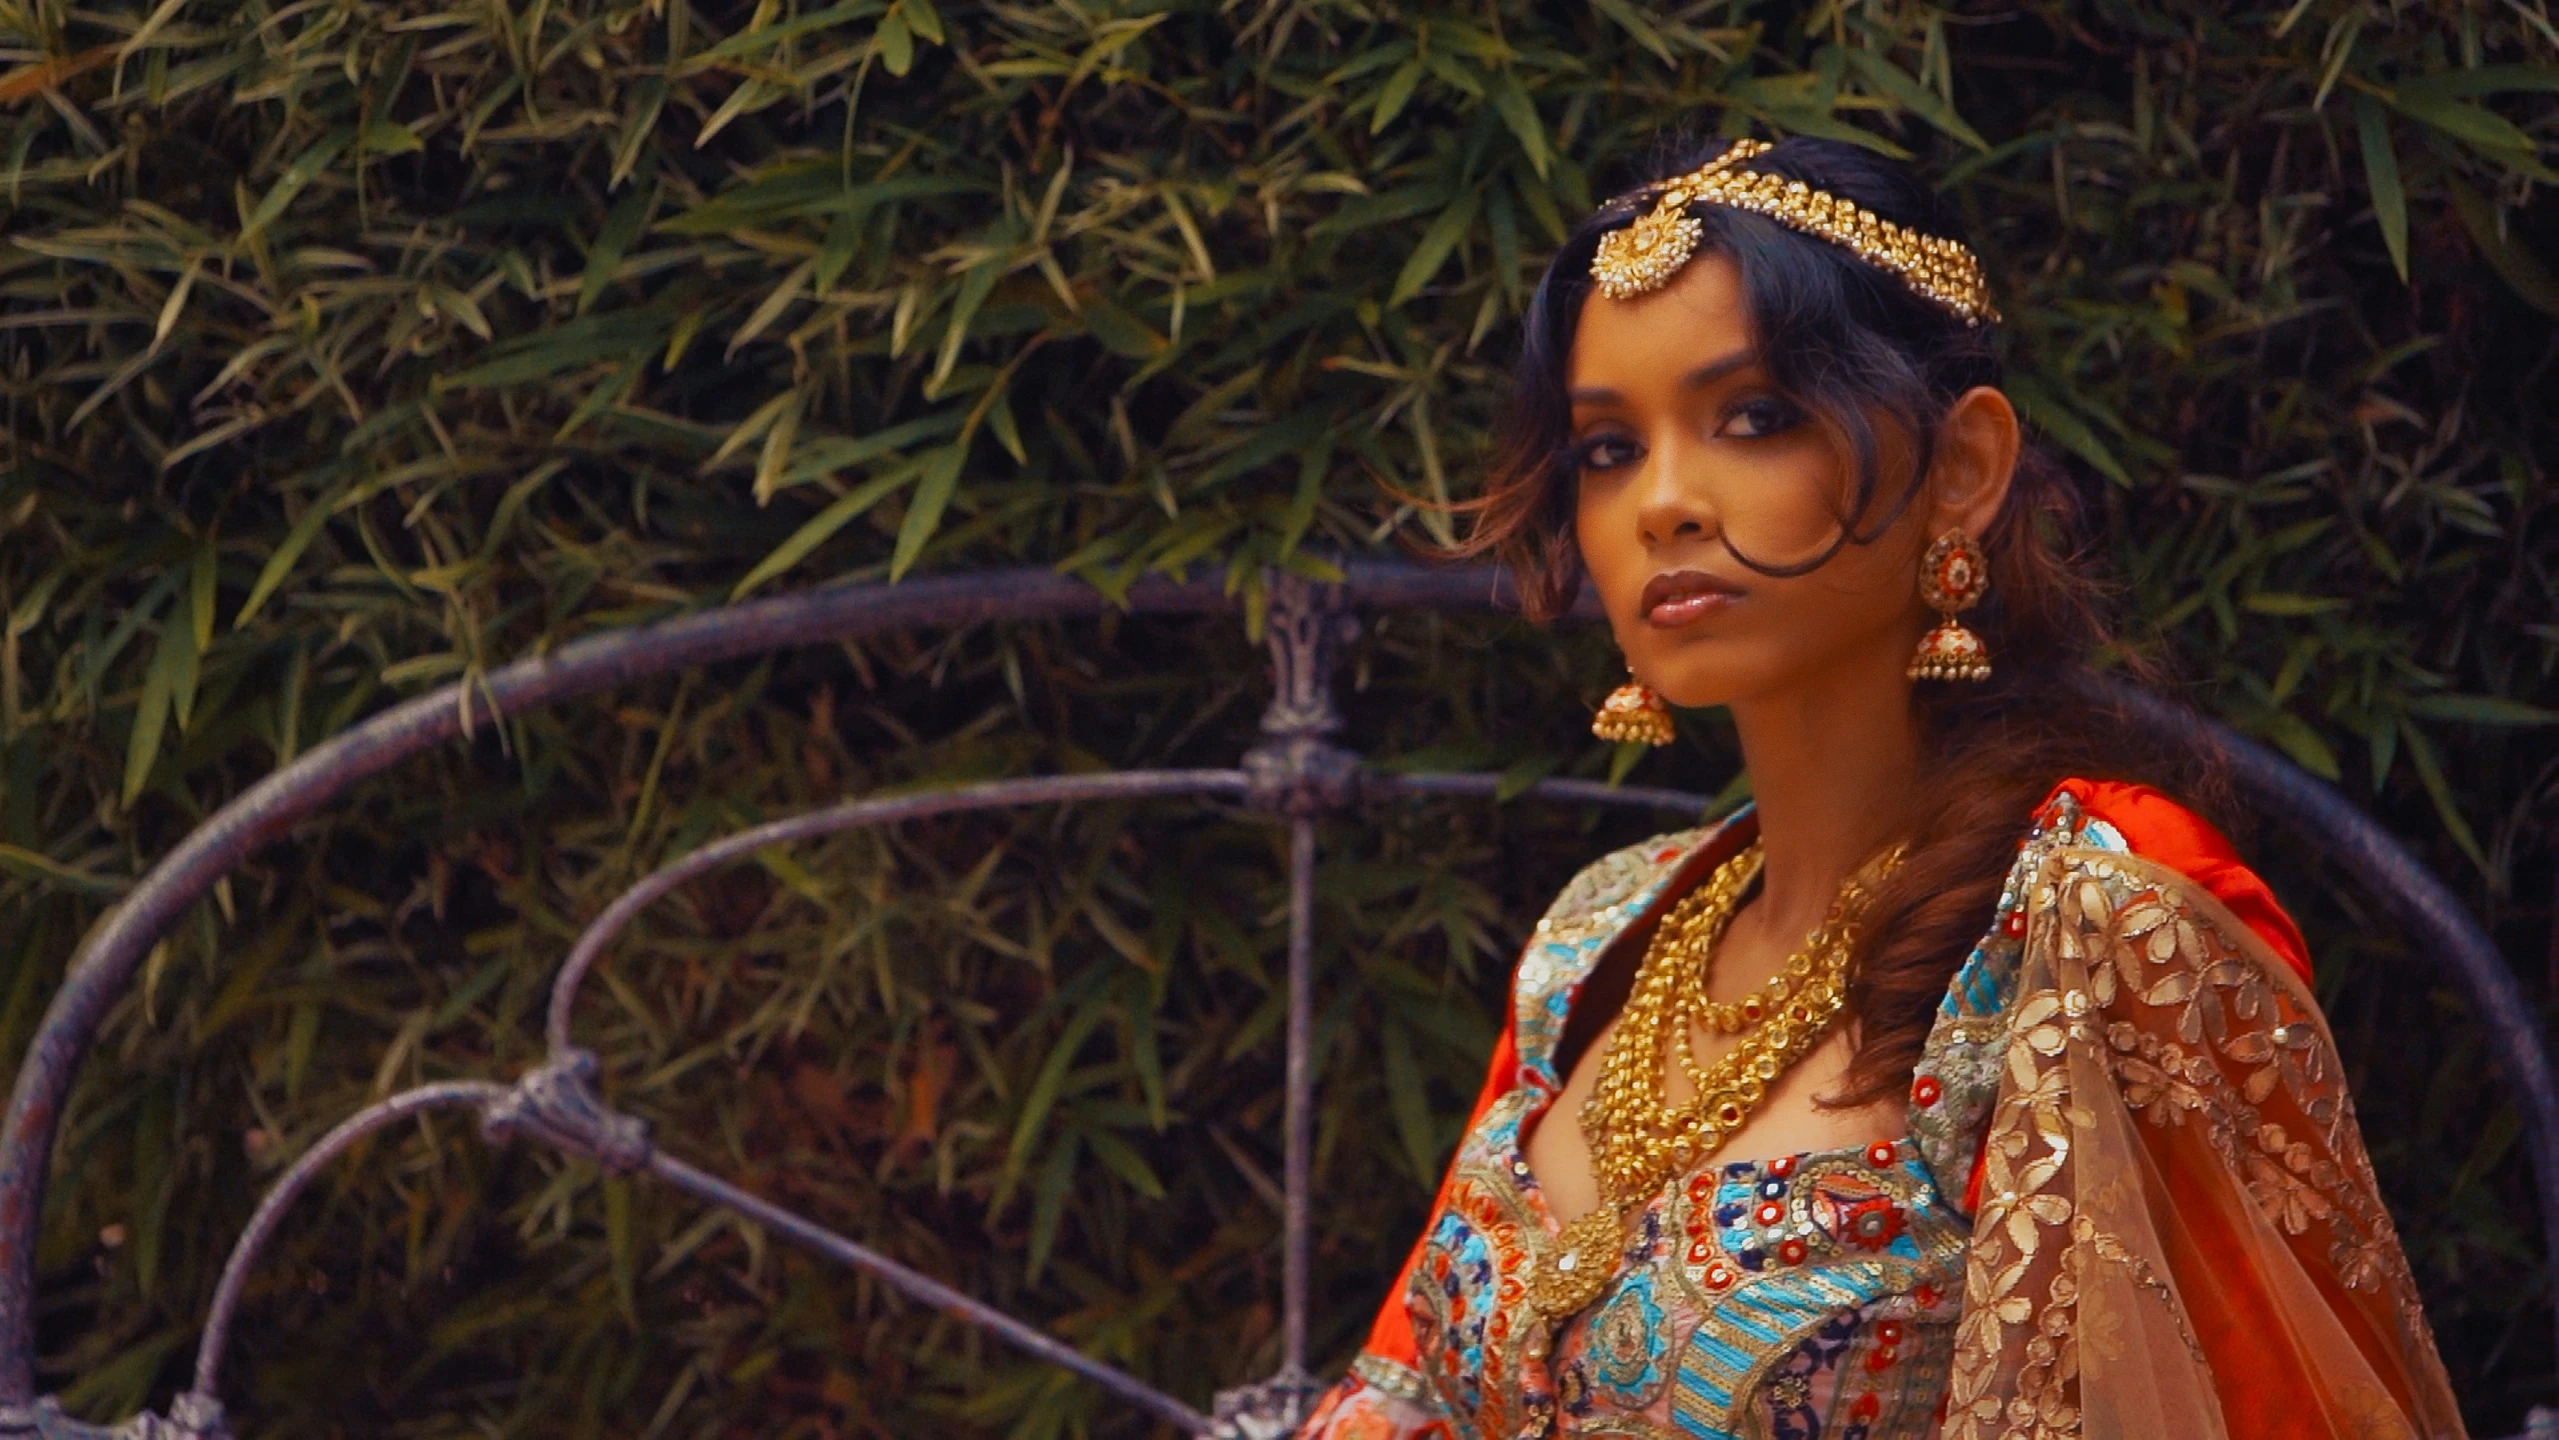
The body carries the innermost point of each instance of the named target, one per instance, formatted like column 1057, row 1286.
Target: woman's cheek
column 1782, row 515
column 1604, row 528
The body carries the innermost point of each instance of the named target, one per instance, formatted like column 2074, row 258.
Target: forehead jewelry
column 1644, row 255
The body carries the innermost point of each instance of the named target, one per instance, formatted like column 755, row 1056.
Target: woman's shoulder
column 1614, row 888
column 2140, row 820
column 1594, row 908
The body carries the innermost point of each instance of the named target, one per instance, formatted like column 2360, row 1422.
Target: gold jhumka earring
column 1633, row 712
column 1953, row 576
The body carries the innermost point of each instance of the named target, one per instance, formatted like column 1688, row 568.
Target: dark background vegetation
column 352, row 347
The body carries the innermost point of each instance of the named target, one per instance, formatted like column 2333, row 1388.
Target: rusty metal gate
column 1296, row 773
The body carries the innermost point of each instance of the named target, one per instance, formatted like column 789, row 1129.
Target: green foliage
column 354, row 348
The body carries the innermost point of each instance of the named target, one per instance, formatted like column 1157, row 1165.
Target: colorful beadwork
column 1802, row 1296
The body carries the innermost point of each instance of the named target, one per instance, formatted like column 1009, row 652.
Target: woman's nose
column 1670, row 505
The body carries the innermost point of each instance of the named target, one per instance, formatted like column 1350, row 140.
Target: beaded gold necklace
column 1637, row 1138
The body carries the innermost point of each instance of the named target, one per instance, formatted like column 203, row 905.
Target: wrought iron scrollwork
column 1296, row 769
column 558, row 1103
column 1271, row 1410
column 191, row 1417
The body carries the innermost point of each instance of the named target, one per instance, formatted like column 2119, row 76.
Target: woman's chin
column 1700, row 692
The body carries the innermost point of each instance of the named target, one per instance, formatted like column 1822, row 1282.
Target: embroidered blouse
column 1880, row 1292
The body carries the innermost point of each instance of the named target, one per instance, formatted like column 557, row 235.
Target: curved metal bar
column 2335, row 826
column 107, row 958
column 502, row 1113
column 855, row 815
column 1422, row 783
column 296, row 1178
column 923, row 1287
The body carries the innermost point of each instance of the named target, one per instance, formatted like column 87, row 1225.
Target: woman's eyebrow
column 1714, row 370
column 1703, row 375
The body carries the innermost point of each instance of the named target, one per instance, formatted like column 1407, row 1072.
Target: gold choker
column 1644, row 255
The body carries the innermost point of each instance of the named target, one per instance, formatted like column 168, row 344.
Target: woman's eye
column 1604, row 452
column 1754, row 419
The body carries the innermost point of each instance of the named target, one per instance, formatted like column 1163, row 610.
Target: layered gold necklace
column 1637, row 1138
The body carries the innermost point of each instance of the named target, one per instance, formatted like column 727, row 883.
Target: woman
column 1966, row 1083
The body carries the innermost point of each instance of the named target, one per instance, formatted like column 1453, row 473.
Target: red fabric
column 2163, row 830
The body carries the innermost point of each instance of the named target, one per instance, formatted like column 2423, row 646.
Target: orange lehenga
column 2132, row 1200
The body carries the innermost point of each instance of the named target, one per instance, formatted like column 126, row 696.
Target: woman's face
column 1681, row 443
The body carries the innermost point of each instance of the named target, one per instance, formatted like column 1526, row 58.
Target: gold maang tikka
column 1644, row 255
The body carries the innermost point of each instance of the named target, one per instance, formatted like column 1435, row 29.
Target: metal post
column 1297, row 1272
column 1296, row 771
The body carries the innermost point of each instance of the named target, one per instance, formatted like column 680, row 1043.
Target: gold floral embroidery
column 2028, row 1145
column 2110, row 1249
column 2130, row 967
column 2238, row 1038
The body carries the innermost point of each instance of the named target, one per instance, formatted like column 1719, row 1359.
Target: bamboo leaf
column 176, row 304
column 821, row 527
column 974, row 288
column 1393, row 96
column 1881, row 73
column 2305, row 745
column 1042, row 1095
column 149, row 30
column 776, row 455
column 45, row 870
column 1519, row 113
column 297, row 176
column 2381, row 175
column 2421, row 753
column 1120, row 1160
column 2473, row 125
column 781, row 298
column 1048, row 1202
column 753, row 428
column 1408, row 1102
column 288, row 553
column 1436, row 244
column 938, row 480
column 1631, row 20
column 2482, row 710
column 172, row 660
column 608, row 336
column 897, row 44
column 2522, row 270
column 622, row 226
column 2044, row 410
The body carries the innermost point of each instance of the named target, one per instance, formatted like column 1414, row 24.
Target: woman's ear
column 1975, row 463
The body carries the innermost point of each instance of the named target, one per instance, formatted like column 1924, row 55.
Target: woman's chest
column 1792, row 1118
column 1749, row 1298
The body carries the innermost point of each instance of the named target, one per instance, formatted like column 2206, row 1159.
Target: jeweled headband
column 1644, row 255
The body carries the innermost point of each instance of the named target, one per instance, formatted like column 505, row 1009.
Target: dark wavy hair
column 1866, row 356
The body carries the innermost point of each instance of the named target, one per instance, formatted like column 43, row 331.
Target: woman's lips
column 1683, row 596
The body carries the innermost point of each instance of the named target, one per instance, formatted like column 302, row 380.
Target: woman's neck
column 1832, row 768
